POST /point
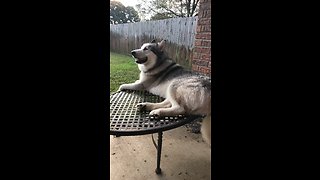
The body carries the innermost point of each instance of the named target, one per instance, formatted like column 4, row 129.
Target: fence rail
column 179, row 33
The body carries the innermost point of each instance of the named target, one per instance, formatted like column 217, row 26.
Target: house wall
column 202, row 49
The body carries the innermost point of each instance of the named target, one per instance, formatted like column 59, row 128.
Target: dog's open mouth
column 141, row 60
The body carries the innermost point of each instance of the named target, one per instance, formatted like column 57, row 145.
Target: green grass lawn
column 123, row 69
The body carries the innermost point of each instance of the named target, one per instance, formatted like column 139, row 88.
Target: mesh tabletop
column 125, row 119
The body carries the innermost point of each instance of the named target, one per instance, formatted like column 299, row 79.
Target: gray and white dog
column 185, row 92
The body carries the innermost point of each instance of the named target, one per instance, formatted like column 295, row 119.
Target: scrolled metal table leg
column 158, row 170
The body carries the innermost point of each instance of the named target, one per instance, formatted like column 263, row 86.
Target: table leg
column 158, row 170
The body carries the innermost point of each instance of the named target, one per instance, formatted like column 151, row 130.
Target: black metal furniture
column 126, row 120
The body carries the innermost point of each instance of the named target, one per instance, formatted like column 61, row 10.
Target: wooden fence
column 179, row 33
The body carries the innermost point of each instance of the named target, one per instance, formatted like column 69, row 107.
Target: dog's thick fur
column 185, row 92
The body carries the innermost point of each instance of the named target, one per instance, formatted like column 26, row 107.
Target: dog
column 185, row 92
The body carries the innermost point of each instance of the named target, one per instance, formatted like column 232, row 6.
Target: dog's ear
column 153, row 41
column 162, row 44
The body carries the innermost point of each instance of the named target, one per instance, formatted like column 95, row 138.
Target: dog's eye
column 145, row 49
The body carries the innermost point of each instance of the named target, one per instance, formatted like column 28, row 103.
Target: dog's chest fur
column 150, row 84
column 160, row 90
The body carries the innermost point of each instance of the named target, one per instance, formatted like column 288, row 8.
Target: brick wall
column 202, row 51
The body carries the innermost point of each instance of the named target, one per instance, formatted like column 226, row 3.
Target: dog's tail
column 206, row 129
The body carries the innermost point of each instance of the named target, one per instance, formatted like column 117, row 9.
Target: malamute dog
column 185, row 92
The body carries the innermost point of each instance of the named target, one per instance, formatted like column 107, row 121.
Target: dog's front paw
column 141, row 106
column 155, row 113
column 122, row 88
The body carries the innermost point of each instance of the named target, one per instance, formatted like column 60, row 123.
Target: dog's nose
column 133, row 53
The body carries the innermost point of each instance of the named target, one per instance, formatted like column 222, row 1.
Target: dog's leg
column 151, row 106
column 175, row 109
column 206, row 129
column 132, row 86
column 172, row 111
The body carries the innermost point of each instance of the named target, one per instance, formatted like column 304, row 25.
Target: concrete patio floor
column 184, row 156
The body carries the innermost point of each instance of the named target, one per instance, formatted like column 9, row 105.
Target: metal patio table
column 126, row 120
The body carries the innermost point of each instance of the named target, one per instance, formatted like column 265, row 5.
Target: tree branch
column 172, row 12
column 194, row 6
column 181, row 7
column 188, row 5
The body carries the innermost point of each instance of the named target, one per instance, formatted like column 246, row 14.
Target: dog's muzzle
column 139, row 60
